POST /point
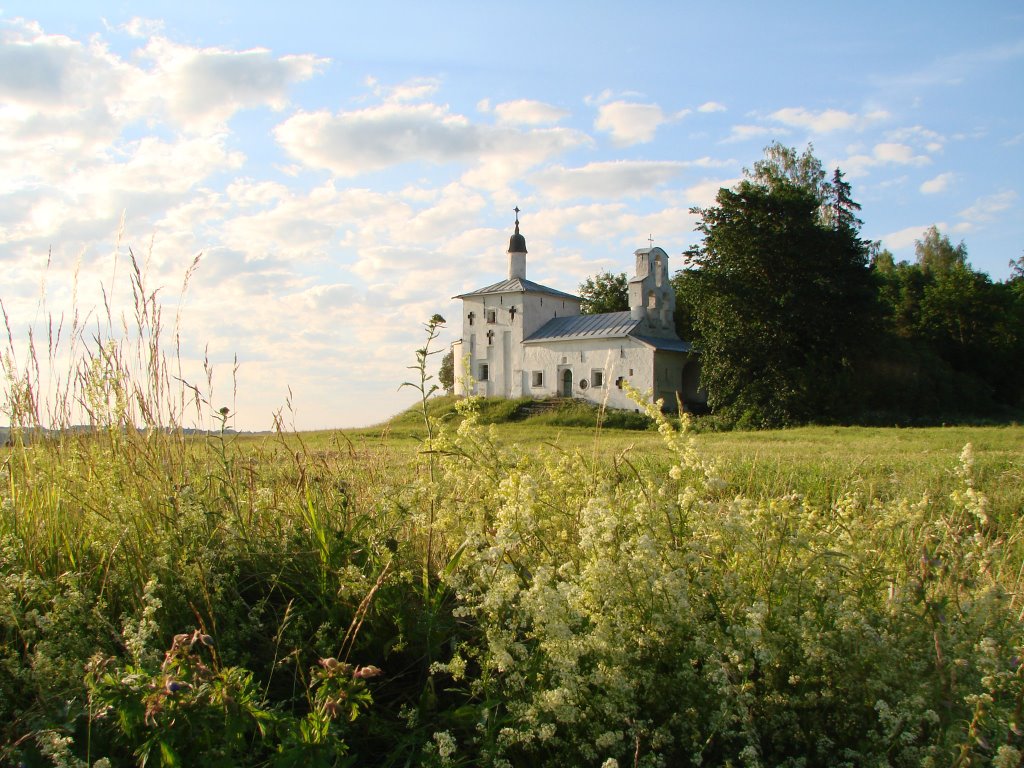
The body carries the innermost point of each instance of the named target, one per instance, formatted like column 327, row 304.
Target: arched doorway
column 567, row 383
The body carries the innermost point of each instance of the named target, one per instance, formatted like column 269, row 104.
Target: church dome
column 517, row 243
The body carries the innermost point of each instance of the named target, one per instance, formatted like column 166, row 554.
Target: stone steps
column 537, row 407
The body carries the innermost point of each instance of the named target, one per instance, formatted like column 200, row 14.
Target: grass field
column 512, row 594
column 821, row 462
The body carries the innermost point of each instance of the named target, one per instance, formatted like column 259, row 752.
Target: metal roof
column 609, row 325
column 517, row 285
column 668, row 345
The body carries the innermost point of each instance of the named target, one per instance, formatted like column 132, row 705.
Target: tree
column 604, row 292
column 446, row 373
column 842, row 209
column 955, row 341
column 936, row 254
column 1016, row 281
column 782, row 304
column 781, row 164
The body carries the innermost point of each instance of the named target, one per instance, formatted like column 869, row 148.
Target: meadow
column 512, row 594
column 444, row 591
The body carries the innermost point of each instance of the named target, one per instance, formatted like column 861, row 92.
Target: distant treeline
column 798, row 319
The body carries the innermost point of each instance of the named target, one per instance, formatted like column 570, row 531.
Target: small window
column 492, row 316
column 483, row 372
column 538, row 378
column 597, row 379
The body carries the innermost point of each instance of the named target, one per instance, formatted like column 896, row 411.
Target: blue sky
column 346, row 168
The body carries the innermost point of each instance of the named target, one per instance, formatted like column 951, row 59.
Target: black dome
column 517, row 243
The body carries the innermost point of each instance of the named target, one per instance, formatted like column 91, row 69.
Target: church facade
column 524, row 339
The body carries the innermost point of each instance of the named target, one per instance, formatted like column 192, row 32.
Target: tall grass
column 169, row 599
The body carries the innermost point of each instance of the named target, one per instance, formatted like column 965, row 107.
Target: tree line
column 798, row 318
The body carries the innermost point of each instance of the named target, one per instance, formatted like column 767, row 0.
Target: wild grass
column 446, row 591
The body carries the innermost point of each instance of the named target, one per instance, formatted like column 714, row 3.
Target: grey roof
column 668, row 345
column 610, row 325
column 517, row 285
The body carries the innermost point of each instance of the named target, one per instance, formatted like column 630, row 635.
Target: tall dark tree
column 781, row 303
column 604, row 292
column 842, row 208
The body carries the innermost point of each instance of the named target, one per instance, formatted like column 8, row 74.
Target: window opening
column 483, row 372
column 492, row 316
column 538, row 378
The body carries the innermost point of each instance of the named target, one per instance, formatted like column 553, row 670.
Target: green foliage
column 937, row 255
column 191, row 710
column 604, row 292
column 781, row 304
column 446, row 373
column 956, row 339
column 781, row 165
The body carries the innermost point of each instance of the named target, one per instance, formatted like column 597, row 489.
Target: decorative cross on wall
column 471, row 315
column 512, row 313
column 490, row 337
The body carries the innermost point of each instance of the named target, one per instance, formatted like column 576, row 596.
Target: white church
column 524, row 339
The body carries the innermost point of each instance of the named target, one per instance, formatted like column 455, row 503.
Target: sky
column 342, row 170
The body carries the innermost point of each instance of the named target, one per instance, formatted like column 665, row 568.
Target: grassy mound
column 498, row 410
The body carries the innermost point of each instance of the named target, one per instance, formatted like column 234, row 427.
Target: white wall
column 636, row 363
column 502, row 352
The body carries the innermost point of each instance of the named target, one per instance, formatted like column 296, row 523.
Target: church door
column 567, row 383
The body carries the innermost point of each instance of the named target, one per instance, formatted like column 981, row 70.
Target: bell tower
column 651, row 295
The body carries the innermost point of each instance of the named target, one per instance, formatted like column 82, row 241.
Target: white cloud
column 527, row 112
column 349, row 143
column 711, row 106
column 986, row 209
column 821, row 122
column 904, row 238
column 899, row 154
column 705, row 193
column 885, row 153
column 416, row 89
column 205, row 87
column 616, row 179
column 918, row 135
column 354, row 142
column 938, row 184
column 747, row 132
column 630, row 122
column 826, row 121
